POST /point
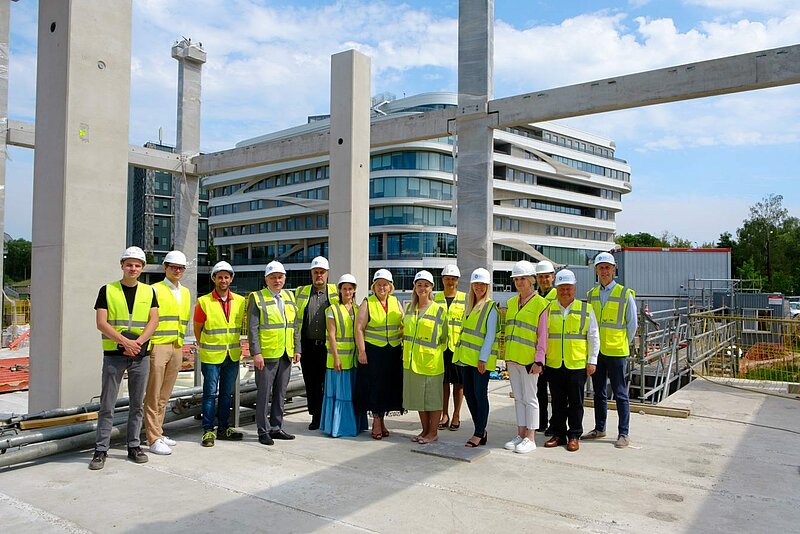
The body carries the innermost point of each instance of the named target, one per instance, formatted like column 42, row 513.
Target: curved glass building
column 557, row 191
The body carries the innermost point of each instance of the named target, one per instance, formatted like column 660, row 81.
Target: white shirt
column 176, row 289
column 593, row 336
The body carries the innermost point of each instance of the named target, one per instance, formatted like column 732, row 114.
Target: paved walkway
column 733, row 466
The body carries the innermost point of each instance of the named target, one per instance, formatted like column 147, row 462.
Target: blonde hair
column 391, row 286
column 471, row 301
column 415, row 297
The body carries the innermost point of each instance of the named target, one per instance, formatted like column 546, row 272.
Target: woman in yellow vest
column 526, row 344
column 477, row 351
column 424, row 342
column 379, row 378
column 338, row 417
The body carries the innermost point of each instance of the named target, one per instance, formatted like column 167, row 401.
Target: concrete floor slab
column 734, row 466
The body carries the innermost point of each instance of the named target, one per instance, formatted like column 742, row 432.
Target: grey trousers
column 271, row 383
column 113, row 369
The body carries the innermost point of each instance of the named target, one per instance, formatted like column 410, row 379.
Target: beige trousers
column 165, row 362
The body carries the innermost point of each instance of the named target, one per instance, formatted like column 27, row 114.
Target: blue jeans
column 223, row 376
column 611, row 368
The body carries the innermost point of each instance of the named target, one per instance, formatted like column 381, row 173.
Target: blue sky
column 696, row 166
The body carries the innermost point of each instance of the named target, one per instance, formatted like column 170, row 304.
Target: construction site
column 713, row 379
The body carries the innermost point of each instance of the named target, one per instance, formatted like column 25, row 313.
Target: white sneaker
column 159, row 447
column 169, row 441
column 512, row 445
column 525, row 446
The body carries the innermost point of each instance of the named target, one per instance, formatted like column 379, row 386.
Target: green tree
column 642, row 239
column 17, row 264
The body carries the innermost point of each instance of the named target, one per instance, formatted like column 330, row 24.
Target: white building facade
column 557, row 192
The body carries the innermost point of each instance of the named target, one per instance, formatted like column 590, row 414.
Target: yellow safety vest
column 551, row 295
column 521, row 327
column 423, row 343
column 303, row 293
column 611, row 319
column 567, row 340
column 473, row 334
column 454, row 314
column 345, row 336
column 172, row 317
column 220, row 336
column 118, row 315
column 276, row 332
column 384, row 326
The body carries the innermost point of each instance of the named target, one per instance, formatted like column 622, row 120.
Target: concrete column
column 474, row 163
column 80, row 188
column 5, row 13
column 349, row 182
column 187, row 195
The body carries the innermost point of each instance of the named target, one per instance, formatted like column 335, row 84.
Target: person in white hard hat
column 424, row 343
column 379, row 378
column 126, row 313
column 311, row 332
column 525, row 346
column 166, row 349
column 218, row 320
column 272, row 318
column 545, row 274
column 477, row 351
column 572, row 346
column 615, row 307
column 339, row 417
column 455, row 302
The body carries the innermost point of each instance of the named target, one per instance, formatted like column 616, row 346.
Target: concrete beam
column 734, row 74
column 20, row 134
column 79, row 190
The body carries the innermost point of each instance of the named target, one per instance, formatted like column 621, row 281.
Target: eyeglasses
column 178, row 268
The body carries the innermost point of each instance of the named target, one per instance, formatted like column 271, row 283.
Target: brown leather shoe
column 573, row 445
column 555, row 441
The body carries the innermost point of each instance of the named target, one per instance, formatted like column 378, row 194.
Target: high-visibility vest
column 220, row 336
column 567, row 339
column 303, row 293
column 384, row 326
column 118, row 316
column 423, row 344
column 345, row 336
column 551, row 295
column 454, row 314
column 473, row 334
column 611, row 319
column 521, row 329
column 172, row 317
column 276, row 332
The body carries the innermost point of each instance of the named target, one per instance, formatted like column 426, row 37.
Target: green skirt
column 422, row 393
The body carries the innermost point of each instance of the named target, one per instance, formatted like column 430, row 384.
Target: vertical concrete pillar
column 349, row 182
column 5, row 13
column 80, row 188
column 187, row 193
column 474, row 162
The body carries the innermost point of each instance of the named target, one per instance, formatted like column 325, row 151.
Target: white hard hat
column 346, row 279
column 604, row 257
column 523, row 268
column 320, row 262
column 382, row 273
column 175, row 256
column 451, row 270
column 565, row 276
column 274, row 267
column 133, row 253
column 222, row 266
column 424, row 275
column 480, row 275
column 544, row 267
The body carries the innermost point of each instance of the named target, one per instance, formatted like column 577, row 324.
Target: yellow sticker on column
column 83, row 132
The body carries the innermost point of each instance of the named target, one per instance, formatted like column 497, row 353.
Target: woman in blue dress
column 338, row 414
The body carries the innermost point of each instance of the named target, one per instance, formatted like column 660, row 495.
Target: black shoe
column 549, row 432
column 135, row 454
column 98, row 460
column 280, row 434
column 314, row 425
column 264, row 439
column 229, row 434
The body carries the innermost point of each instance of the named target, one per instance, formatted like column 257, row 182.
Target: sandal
column 384, row 433
column 415, row 439
column 444, row 425
column 377, row 436
column 455, row 426
column 471, row 444
column 425, row 441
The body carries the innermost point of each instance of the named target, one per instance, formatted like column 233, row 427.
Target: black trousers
column 312, row 362
column 567, row 387
column 541, row 395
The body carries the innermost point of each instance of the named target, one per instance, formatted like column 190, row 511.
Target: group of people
column 372, row 358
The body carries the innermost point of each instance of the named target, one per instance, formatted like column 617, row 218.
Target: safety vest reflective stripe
column 523, row 325
column 473, row 337
column 611, row 319
column 173, row 315
column 522, row 341
column 127, row 322
column 119, row 317
column 454, row 314
column 567, row 339
column 384, row 326
column 521, row 330
column 423, row 350
column 220, row 335
column 345, row 338
column 276, row 329
column 432, row 344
